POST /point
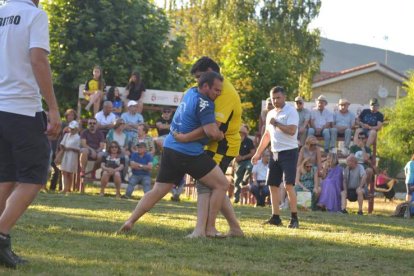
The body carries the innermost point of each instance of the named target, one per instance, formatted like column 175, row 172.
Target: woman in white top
column 70, row 144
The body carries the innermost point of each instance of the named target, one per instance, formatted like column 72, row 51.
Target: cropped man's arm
column 213, row 132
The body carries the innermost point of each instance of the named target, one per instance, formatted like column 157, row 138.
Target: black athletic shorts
column 174, row 165
column 24, row 148
column 285, row 165
column 352, row 195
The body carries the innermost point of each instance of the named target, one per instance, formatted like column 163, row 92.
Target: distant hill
column 340, row 55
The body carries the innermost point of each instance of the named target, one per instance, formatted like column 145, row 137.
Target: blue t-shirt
column 147, row 158
column 117, row 104
column 370, row 118
column 195, row 110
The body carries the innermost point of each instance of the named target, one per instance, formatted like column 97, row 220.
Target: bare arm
column 262, row 146
column 41, row 70
column 288, row 129
column 213, row 132
column 194, row 135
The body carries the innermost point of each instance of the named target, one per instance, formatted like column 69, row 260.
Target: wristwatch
column 140, row 165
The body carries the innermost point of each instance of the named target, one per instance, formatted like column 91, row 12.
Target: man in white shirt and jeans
column 24, row 147
column 281, row 131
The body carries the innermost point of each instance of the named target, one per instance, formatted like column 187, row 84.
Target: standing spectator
column 105, row 118
column 311, row 150
column 112, row 165
column 258, row 186
column 263, row 114
column 344, row 122
column 370, row 121
column 304, row 119
column 70, row 144
column 141, row 165
column 94, row 89
column 307, row 180
column 282, row 132
column 321, row 123
column 353, row 185
column 363, row 154
column 24, row 78
column 92, row 147
column 135, row 90
column 244, row 165
column 114, row 96
column 409, row 177
column 331, row 185
column 163, row 126
column 132, row 118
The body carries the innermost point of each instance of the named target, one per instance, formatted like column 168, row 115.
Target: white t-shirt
column 261, row 171
column 279, row 140
column 22, row 26
column 321, row 118
column 105, row 120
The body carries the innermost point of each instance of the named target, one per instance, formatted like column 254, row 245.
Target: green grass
column 75, row 235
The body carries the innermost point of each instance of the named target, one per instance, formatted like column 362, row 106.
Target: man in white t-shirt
column 24, row 147
column 281, row 131
column 105, row 118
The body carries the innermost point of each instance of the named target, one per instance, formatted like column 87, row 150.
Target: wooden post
column 371, row 191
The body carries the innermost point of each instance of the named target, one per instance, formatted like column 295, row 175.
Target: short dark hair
column 202, row 65
column 209, row 77
column 363, row 134
column 278, row 89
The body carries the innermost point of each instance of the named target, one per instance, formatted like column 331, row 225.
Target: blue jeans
column 347, row 134
column 144, row 180
column 326, row 137
column 260, row 193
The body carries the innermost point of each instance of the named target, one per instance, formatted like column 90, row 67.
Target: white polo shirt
column 105, row 120
column 22, row 26
column 280, row 141
column 321, row 118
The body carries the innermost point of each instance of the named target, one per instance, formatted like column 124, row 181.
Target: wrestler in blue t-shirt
column 195, row 110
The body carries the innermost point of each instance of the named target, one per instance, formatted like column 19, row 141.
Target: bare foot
column 235, row 233
column 125, row 228
column 195, row 235
column 217, row 235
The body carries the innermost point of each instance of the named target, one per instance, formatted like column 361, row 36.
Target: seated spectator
column 321, row 123
column 112, row 165
column 132, row 118
column 135, row 91
column 105, row 118
column 70, row 145
column 307, row 180
column 114, row 96
column 143, row 137
column 363, row 154
column 311, row 150
column 94, row 90
column 258, row 185
column 382, row 183
column 163, row 125
column 353, row 185
column 244, row 165
column 344, row 122
column 331, row 185
column 117, row 134
column 92, row 147
column 141, row 165
column 370, row 121
column 304, row 119
column 409, row 178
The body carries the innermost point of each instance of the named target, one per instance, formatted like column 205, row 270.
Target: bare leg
column 275, row 199
column 292, row 198
column 360, row 192
column 372, row 136
column 217, row 181
column 104, row 182
column 228, row 212
column 16, row 204
column 203, row 201
column 6, row 188
column 117, row 182
column 145, row 204
column 67, row 181
column 343, row 200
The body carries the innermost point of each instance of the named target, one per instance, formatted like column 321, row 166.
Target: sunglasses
column 362, row 138
column 166, row 111
column 298, row 102
column 91, row 123
column 308, row 166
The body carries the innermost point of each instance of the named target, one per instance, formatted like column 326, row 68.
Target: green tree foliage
column 396, row 139
column 258, row 44
column 120, row 36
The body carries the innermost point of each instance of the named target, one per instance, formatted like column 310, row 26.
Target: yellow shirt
column 228, row 112
column 92, row 87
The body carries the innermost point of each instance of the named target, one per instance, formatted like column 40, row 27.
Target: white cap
column 73, row 125
column 130, row 103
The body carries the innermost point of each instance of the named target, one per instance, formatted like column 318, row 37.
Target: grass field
column 75, row 235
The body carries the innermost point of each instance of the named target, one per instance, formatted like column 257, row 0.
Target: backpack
column 402, row 210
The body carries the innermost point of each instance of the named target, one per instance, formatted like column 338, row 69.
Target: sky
column 384, row 24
